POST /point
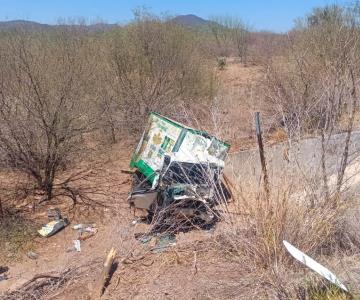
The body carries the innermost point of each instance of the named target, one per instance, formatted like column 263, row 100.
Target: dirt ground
column 53, row 254
column 187, row 270
column 165, row 275
column 192, row 269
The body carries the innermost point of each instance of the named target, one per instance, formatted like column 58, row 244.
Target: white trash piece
column 314, row 265
column 77, row 245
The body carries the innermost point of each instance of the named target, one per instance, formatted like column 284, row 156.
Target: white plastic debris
column 314, row 265
column 77, row 245
column 134, row 222
column 82, row 226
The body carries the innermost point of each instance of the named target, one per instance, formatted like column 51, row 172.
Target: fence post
column 262, row 155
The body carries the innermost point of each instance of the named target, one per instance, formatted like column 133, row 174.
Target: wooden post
column 105, row 275
column 262, row 155
column 1, row 210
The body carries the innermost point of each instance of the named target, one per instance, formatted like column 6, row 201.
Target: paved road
column 295, row 165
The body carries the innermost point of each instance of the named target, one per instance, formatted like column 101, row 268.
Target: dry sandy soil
column 188, row 270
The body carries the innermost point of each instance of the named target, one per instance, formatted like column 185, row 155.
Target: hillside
column 22, row 23
column 190, row 20
column 31, row 25
column 186, row 20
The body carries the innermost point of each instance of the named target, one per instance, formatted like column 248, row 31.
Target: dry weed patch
column 253, row 232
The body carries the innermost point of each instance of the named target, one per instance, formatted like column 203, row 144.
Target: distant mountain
column 186, row 20
column 31, row 25
column 190, row 20
column 21, row 23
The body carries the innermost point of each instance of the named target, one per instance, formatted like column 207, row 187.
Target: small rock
column 32, row 255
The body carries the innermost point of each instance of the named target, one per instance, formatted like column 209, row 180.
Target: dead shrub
column 313, row 88
column 47, row 105
column 155, row 65
column 255, row 229
column 277, row 135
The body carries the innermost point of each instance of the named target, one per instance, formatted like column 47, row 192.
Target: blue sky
column 275, row 15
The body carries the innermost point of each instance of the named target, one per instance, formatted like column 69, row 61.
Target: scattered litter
column 177, row 178
column 91, row 230
column 314, row 265
column 137, row 221
column 77, row 245
column 85, row 231
column 53, row 227
column 32, row 255
column 164, row 242
column 77, row 226
column 83, row 226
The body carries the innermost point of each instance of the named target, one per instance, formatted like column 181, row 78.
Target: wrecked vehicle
column 177, row 174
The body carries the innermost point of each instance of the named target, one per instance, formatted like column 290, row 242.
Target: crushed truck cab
column 177, row 172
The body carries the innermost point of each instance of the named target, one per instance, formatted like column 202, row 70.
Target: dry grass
column 244, row 254
column 277, row 135
column 16, row 236
column 255, row 227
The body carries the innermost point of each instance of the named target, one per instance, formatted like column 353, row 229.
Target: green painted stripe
column 179, row 140
column 132, row 162
column 146, row 170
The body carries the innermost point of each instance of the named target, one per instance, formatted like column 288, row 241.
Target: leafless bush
column 266, row 45
column 156, row 66
column 231, row 36
column 314, row 89
column 46, row 106
column 253, row 227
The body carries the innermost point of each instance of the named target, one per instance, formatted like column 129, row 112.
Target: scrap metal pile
column 177, row 177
